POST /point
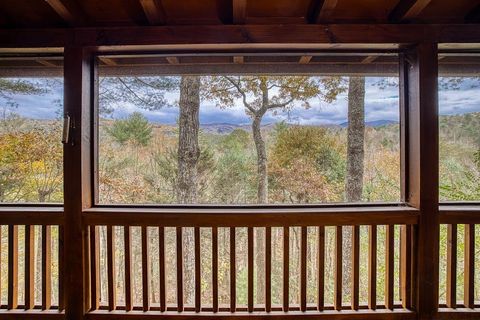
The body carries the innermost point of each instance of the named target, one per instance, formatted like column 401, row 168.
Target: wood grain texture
column 215, row 269
column 233, row 271
column 372, row 267
column 286, row 268
column 29, row 273
column 355, row 286
column 321, row 269
column 451, row 290
column 337, row 295
column 12, row 296
column 469, row 267
column 111, row 272
column 268, row 269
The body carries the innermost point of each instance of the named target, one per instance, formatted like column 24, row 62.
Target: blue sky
column 380, row 104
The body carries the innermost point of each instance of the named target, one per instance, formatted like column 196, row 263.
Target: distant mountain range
column 376, row 123
column 226, row 128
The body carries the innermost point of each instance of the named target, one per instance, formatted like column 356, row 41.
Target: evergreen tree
column 135, row 130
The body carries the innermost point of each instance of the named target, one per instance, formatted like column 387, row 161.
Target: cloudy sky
column 380, row 104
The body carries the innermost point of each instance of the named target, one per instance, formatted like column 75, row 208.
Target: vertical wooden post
column 420, row 74
column 77, row 177
column 12, row 299
column 29, row 266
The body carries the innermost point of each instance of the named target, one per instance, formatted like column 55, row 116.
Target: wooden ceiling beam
column 305, row 59
column 69, row 11
column 233, row 38
column 154, row 12
column 239, row 8
column 323, row 11
column 407, row 10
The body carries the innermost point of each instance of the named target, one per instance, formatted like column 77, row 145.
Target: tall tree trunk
column 262, row 187
column 356, row 138
column 355, row 157
column 188, row 148
column 262, row 198
column 188, row 155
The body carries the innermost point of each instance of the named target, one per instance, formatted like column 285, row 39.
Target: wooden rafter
column 46, row 63
column 239, row 11
column 407, row 10
column 173, row 60
column 154, row 11
column 238, row 59
column 304, row 59
column 108, row 61
column 324, row 10
column 68, row 11
column 369, row 59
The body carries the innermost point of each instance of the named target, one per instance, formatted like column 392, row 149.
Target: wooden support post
column 46, row 267
column 77, row 179
column 420, row 75
column 12, row 298
column 452, row 266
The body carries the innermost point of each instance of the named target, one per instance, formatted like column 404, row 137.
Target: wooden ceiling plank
column 173, row 60
column 305, row 59
column 154, row 12
column 68, row 11
column 369, row 59
column 238, row 59
column 407, row 10
column 325, row 10
column 239, row 8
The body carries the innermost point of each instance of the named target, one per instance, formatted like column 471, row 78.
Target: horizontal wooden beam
column 251, row 217
column 242, row 69
column 241, row 35
column 69, row 11
column 337, row 315
column 460, row 214
column 31, row 215
column 31, row 314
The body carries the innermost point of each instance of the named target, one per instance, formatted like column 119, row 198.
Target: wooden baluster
column 321, row 268
column 451, row 266
column 268, row 269
column 0, row 258
column 12, row 267
column 112, row 295
column 161, row 259
column 372, row 267
column 127, row 239
column 145, row 270
column 46, row 267
column 355, row 266
column 338, row 268
column 198, row 274
column 303, row 269
column 179, row 269
column 389, row 266
column 233, row 288
column 469, row 273
column 406, row 266
column 286, row 267
column 94, row 268
column 250, row 270
column 29, row 272
column 215, row 269
column 61, row 268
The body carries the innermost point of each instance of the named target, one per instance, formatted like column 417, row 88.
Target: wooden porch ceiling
column 110, row 13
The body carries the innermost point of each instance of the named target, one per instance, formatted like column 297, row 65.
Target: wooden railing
column 459, row 223
column 310, row 223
